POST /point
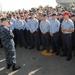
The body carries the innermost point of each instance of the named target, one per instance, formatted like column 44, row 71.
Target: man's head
column 22, row 17
column 60, row 16
column 32, row 15
column 73, row 17
column 4, row 21
column 53, row 16
column 66, row 15
column 27, row 19
column 14, row 16
column 44, row 16
column 18, row 17
column 49, row 14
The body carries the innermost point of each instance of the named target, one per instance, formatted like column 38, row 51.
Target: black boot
column 53, row 52
column 38, row 49
column 1, row 46
column 31, row 48
column 8, row 66
column 63, row 55
column 69, row 58
column 25, row 47
column 14, row 67
column 57, row 53
column 43, row 49
column 48, row 51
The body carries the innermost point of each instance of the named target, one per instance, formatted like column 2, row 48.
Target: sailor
column 67, row 28
column 6, row 37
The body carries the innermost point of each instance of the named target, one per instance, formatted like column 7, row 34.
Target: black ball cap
column 3, row 19
column 73, row 15
column 53, row 14
column 59, row 14
column 44, row 15
column 18, row 17
column 32, row 13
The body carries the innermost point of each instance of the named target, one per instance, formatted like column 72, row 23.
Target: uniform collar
column 66, row 20
column 53, row 20
column 33, row 19
column 44, row 21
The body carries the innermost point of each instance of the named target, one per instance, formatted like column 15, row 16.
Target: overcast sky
column 27, row 4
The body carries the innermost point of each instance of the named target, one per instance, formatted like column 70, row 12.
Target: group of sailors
column 44, row 32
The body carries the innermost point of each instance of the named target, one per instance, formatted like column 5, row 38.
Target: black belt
column 67, row 34
column 55, row 33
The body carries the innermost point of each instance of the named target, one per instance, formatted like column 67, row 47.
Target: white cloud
column 27, row 4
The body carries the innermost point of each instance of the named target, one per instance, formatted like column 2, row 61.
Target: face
column 22, row 17
column 27, row 20
column 60, row 17
column 44, row 18
column 49, row 15
column 5, row 23
column 66, row 17
column 14, row 17
column 53, row 17
column 73, row 18
column 32, row 16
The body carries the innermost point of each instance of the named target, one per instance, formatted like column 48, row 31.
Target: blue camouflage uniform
column 6, row 37
column 0, row 41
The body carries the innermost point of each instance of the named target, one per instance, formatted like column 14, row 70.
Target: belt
column 55, row 33
column 67, row 34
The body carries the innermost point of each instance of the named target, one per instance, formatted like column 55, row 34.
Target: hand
column 43, row 32
column 51, row 34
column 32, row 31
column 63, row 29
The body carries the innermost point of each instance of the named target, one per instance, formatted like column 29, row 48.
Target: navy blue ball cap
column 3, row 19
column 32, row 13
column 44, row 15
column 18, row 17
column 53, row 14
column 73, row 15
column 59, row 14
